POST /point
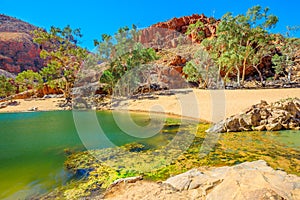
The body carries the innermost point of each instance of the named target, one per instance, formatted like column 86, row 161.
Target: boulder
column 193, row 179
column 255, row 180
column 249, row 180
column 274, row 127
column 233, row 124
column 217, row 128
column 260, row 128
column 292, row 108
column 281, row 115
column 255, row 117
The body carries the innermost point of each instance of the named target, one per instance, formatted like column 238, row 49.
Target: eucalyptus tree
column 7, row 88
column 254, row 29
column 213, row 46
column 284, row 63
column 121, row 53
column 239, row 40
column 29, row 80
column 201, row 69
column 62, row 55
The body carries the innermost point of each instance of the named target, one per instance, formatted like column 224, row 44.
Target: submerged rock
column 281, row 115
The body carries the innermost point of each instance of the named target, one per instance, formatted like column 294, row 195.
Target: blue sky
column 98, row 17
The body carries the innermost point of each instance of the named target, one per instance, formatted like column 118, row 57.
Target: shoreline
column 208, row 106
column 196, row 104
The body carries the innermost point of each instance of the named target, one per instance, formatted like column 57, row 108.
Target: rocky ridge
column 17, row 50
column 280, row 115
column 172, row 34
column 249, row 180
column 169, row 33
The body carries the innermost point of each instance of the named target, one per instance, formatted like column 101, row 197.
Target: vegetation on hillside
column 62, row 55
column 121, row 53
column 285, row 60
column 241, row 41
column 29, row 80
column 241, row 44
column 7, row 87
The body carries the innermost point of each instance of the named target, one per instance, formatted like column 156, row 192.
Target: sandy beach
column 211, row 106
column 26, row 105
column 206, row 105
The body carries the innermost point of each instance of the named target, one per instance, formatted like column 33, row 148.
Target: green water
column 32, row 149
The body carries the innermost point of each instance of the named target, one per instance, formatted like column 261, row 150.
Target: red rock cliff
column 17, row 50
column 169, row 32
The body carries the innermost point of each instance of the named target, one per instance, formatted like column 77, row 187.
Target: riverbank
column 34, row 104
column 206, row 105
column 277, row 155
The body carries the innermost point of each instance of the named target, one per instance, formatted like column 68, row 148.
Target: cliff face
column 169, row 33
column 17, row 50
column 174, row 47
column 172, row 33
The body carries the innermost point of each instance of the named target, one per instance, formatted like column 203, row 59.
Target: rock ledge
column 249, row 180
column 281, row 115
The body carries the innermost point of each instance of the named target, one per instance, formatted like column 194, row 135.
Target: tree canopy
column 7, row 88
column 29, row 80
column 240, row 41
column 62, row 55
column 121, row 53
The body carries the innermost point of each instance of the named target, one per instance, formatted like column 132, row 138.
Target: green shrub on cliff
column 6, row 87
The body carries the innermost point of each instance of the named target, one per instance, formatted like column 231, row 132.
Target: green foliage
column 197, row 30
column 7, row 88
column 201, row 69
column 279, row 63
column 121, row 53
column 284, row 62
column 241, row 40
column 29, row 79
column 193, row 75
column 172, row 122
column 108, row 79
column 63, row 56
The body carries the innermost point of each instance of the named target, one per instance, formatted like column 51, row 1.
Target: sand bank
column 200, row 104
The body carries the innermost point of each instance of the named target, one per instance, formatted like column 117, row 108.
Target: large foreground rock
column 281, row 115
column 250, row 180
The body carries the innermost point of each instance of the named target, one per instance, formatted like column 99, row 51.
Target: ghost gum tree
column 241, row 41
column 121, row 53
column 62, row 55
column 287, row 47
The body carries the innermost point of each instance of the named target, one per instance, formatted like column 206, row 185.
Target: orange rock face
column 48, row 90
column 169, row 32
column 178, row 61
column 18, row 53
column 17, row 50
